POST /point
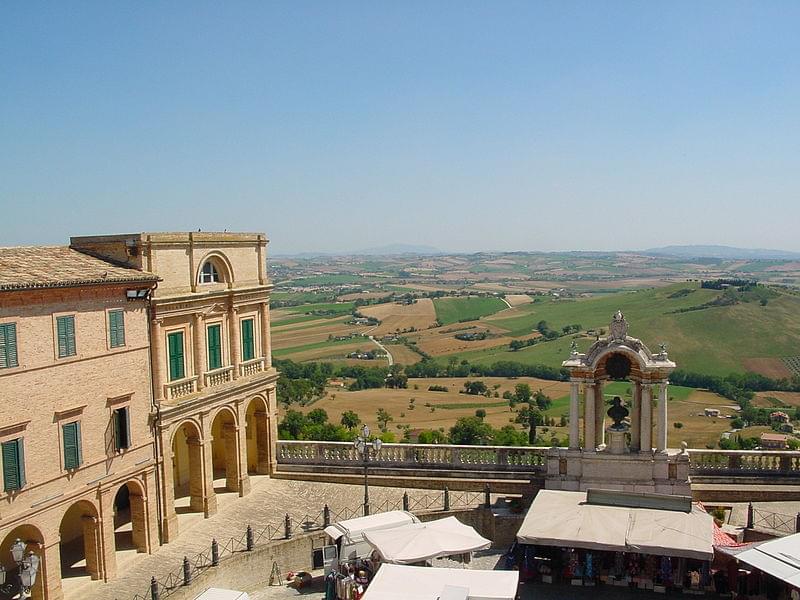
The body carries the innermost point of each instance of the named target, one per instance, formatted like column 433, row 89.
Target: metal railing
column 784, row 524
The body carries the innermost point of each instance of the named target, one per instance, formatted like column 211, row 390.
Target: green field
column 284, row 352
column 453, row 310
column 714, row 340
column 560, row 405
column 342, row 279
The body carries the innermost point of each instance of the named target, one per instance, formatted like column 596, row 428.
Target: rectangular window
column 71, row 434
column 248, row 341
column 116, row 328
column 13, row 465
column 175, row 348
column 8, row 345
column 66, row 336
column 214, row 347
column 122, row 428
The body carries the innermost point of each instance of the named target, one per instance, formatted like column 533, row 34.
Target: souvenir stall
column 402, row 582
column 769, row 569
column 647, row 541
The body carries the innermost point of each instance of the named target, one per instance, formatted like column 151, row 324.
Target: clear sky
column 467, row 126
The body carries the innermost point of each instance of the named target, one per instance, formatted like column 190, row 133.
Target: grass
column 453, row 310
column 342, row 279
column 457, row 405
column 331, row 307
column 284, row 352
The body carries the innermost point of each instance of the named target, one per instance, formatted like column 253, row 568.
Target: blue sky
column 467, row 126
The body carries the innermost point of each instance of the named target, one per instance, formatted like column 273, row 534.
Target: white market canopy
column 564, row 519
column 423, row 541
column 401, row 582
column 222, row 594
column 779, row 558
column 354, row 528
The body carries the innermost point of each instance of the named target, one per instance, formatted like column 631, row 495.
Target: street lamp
column 362, row 444
column 28, row 567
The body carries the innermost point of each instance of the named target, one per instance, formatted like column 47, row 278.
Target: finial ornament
column 663, row 348
column 618, row 327
column 574, row 348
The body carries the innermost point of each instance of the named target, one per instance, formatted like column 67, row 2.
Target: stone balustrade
column 180, row 387
column 744, row 462
column 251, row 367
column 218, row 376
column 416, row 456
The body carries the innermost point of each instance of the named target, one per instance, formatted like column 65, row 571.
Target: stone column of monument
column 661, row 438
column 599, row 414
column 646, row 439
column 589, row 422
column 233, row 323
column 574, row 416
column 636, row 424
column 198, row 336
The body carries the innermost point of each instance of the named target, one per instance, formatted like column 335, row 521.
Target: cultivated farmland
column 401, row 317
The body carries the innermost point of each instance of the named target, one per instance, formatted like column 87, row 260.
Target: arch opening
column 187, row 469
column 130, row 519
column 34, row 542
column 257, row 434
column 80, row 542
column 224, row 451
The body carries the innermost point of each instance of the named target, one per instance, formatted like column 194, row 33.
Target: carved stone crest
column 619, row 327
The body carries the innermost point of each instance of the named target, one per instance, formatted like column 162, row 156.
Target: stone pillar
column 209, row 495
column 229, row 436
column 151, row 510
column 107, row 541
column 273, row 430
column 157, row 358
column 233, row 326
column 241, row 443
column 261, row 432
column 91, row 546
column 169, row 522
column 48, row 581
column 636, row 423
column 266, row 335
column 599, row 414
column 646, row 435
column 199, row 339
column 661, row 437
column 574, row 416
column 139, row 523
column 589, row 420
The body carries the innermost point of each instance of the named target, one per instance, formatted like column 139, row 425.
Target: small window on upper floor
column 209, row 273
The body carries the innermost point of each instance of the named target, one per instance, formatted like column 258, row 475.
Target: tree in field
column 516, row 345
column 396, row 377
column 383, row 418
column 350, row 420
column 293, row 424
column 529, row 417
column 522, row 392
column 475, row 388
column 471, row 431
column 481, row 414
column 318, row 416
column 543, row 401
column 431, row 436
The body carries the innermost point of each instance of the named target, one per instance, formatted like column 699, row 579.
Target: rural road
column 506, row 301
column 382, row 347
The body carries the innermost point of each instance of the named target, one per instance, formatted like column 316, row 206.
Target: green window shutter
column 8, row 345
column 175, row 347
column 71, row 435
column 248, row 341
column 214, row 347
column 13, row 465
column 116, row 328
column 66, row 336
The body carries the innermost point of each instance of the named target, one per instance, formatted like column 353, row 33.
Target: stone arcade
column 621, row 456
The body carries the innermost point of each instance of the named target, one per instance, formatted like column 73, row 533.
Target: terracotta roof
column 26, row 267
column 774, row 437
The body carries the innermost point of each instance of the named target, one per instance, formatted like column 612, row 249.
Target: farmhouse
column 774, row 441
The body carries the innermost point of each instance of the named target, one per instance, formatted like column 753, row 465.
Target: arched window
column 209, row 273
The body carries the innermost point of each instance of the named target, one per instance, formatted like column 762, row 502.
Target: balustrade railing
column 251, row 367
column 478, row 458
column 218, row 376
column 181, row 387
column 744, row 462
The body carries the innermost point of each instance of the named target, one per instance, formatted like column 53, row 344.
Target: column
column 636, row 424
column 209, row 495
column 229, row 434
column 574, row 415
column 48, row 581
column 151, row 510
column 266, row 335
column 646, row 435
column 199, row 340
column 169, row 522
column 661, row 438
column 599, row 414
column 107, row 543
column 273, row 430
column 243, row 485
column 91, row 546
column 589, row 422
column 261, row 419
column 233, row 326
column 157, row 358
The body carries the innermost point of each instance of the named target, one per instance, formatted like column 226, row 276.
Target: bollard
column 287, row 526
column 153, row 589
column 214, row 553
column 446, row 498
column 326, row 516
column 405, row 501
column 487, row 496
column 249, row 538
column 187, row 572
column 750, row 516
column 797, row 523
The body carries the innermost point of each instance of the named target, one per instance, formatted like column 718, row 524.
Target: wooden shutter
column 8, row 345
column 13, row 465
column 175, row 343
column 71, row 437
column 66, row 336
column 116, row 328
column 122, row 428
column 248, row 343
column 214, row 347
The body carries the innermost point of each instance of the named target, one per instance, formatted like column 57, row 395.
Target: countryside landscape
column 508, row 319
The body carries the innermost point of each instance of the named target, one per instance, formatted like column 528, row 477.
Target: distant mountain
column 398, row 249
column 724, row 252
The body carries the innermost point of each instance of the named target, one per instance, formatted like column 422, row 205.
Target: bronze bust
column 618, row 413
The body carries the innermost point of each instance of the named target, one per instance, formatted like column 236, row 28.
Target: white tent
column 558, row 518
column 779, row 558
column 423, row 541
column 401, row 582
column 222, row 594
column 354, row 528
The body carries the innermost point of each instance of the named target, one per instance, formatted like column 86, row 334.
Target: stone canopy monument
column 630, row 453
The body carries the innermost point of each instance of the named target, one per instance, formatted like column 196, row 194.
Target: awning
column 423, row 541
column 779, row 558
column 353, row 528
column 401, row 582
column 558, row 518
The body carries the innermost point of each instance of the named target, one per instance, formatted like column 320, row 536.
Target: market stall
column 770, row 568
column 618, row 538
column 419, row 542
column 402, row 582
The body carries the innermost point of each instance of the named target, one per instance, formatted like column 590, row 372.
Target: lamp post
column 28, row 567
column 362, row 444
